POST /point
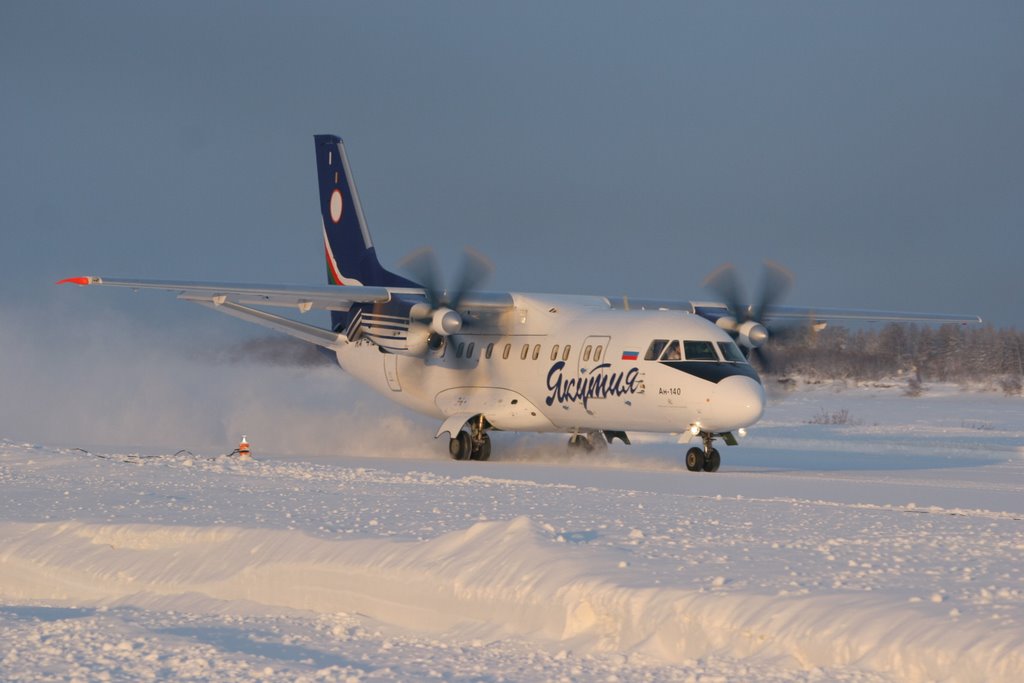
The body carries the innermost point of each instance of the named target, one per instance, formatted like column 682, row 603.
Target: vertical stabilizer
column 348, row 248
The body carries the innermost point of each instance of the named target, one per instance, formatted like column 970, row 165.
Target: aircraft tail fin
column 348, row 248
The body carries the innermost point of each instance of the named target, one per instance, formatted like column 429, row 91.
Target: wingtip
column 75, row 281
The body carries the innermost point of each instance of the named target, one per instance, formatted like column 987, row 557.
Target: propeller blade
column 724, row 282
column 476, row 269
column 788, row 331
column 750, row 326
column 763, row 359
column 775, row 282
column 421, row 265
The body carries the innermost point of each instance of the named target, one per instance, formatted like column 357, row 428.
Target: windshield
column 699, row 350
column 731, row 352
column 655, row 349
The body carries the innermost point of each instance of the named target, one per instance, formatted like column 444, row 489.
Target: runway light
column 695, row 428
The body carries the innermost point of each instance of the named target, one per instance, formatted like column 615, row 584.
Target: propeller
column 746, row 322
column 440, row 311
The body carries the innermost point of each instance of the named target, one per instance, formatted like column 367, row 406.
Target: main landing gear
column 472, row 445
column 707, row 458
column 588, row 441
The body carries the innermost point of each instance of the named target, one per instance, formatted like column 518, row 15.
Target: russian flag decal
column 630, row 355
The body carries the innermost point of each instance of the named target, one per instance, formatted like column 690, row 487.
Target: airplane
column 594, row 367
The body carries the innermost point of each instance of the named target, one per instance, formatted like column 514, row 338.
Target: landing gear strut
column 482, row 450
column 707, row 459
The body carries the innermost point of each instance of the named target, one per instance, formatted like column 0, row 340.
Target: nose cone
column 736, row 401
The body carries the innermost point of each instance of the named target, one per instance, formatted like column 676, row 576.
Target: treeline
column 920, row 353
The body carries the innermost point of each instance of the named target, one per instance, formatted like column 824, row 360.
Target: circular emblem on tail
column 336, row 205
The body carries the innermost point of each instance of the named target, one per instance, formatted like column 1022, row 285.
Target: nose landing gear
column 707, row 458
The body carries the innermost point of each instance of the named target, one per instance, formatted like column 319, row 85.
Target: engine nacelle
column 417, row 340
column 727, row 323
column 751, row 334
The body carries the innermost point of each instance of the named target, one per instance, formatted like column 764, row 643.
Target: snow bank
column 491, row 579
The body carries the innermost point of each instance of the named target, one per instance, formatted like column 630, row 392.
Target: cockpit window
column 655, row 349
column 672, row 352
column 699, row 350
column 731, row 352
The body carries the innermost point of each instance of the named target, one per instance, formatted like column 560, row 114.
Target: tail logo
column 336, row 205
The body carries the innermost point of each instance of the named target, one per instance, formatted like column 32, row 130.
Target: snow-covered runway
column 890, row 547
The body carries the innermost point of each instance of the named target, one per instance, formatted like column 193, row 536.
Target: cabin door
column 593, row 352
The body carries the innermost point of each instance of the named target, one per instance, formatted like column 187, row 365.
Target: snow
column 888, row 548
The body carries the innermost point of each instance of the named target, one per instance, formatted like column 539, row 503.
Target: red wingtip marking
column 74, row 281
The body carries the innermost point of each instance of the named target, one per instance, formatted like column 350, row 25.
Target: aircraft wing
column 236, row 300
column 867, row 315
column 304, row 298
column 713, row 310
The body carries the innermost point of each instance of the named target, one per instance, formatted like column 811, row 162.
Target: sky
column 876, row 149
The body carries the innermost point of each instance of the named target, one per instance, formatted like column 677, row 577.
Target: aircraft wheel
column 712, row 461
column 483, row 449
column 695, row 459
column 461, row 447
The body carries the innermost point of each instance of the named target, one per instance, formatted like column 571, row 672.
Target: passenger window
column 536, row 352
column 672, row 352
column 731, row 352
column 699, row 350
column 554, row 352
column 490, row 350
column 565, row 354
column 586, row 354
column 469, row 349
column 655, row 349
column 460, row 349
column 508, row 350
column 597, row 354
column 525, row 352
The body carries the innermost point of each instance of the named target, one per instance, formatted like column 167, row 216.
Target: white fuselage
column 567, row 363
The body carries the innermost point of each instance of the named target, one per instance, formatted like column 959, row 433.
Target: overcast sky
column 875, row 148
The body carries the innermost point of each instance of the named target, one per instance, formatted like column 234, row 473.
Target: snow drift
column 491, row 579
